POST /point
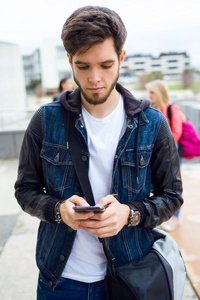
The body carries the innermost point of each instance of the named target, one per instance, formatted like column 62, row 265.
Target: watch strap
column 133, row 212
column 139, row 205
column 58, row 218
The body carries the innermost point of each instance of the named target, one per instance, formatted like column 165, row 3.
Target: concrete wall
column 10, row 143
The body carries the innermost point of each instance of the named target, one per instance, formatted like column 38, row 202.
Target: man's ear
column 70, row 60
column 121, row 58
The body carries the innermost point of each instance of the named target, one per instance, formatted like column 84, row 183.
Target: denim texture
column 68, row 289
column 55, row 241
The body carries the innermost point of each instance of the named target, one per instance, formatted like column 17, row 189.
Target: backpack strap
column 169, row 114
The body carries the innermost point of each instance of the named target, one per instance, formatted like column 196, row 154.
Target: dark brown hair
column 91, row 25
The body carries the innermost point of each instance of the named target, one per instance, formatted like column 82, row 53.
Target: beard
column 96, row 99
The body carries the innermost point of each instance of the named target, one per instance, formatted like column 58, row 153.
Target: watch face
column 134, row 218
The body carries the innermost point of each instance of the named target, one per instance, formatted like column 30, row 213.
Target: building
column 12, row 86
column 169, row 64
column 32, row 67
column 12, row 99
column 54, row 63
column 50, row 63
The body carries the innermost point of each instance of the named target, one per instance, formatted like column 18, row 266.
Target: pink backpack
column 189, row 143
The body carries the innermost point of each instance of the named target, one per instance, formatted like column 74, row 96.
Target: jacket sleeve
column 166, row 193
column 29, row 187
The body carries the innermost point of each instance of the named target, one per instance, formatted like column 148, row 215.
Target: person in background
column 130, row 154
column 158, row 94
column 66, row 84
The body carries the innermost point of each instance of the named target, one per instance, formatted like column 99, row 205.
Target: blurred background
column 163, row 43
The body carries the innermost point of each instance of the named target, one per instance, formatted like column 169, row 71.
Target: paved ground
column 18, row 272
column 187, row 235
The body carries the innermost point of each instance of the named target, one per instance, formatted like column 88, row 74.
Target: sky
column 153, row 26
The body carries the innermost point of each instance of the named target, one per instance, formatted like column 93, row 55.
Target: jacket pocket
column 129, row 174
column 57, row 165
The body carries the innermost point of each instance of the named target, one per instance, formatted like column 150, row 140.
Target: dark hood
column 71, row 100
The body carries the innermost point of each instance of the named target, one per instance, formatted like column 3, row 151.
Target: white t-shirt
column 87, row 261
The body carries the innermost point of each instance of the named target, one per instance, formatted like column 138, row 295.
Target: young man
column 128, row 149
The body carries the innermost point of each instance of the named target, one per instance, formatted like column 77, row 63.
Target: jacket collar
column 71, row 100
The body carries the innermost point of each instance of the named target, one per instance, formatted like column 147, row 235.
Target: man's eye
column 82, row 67
column 107, row 66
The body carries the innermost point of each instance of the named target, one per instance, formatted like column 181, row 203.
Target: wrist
column 127, row 212
column 57, row 212
column 134, row 216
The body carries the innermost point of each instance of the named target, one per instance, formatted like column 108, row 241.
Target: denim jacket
column 146, row 161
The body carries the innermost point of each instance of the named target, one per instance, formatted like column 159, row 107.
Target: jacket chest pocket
column 129, row 173
column 57, row 167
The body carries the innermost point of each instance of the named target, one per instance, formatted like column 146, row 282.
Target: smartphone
column 84, row 209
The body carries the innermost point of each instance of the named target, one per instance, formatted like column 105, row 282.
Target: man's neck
column 102, row 110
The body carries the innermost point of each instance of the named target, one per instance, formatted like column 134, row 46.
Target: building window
column 139, row 70
column 172, row 68
column 139, row 62
column 27, row 59
column 28, row 68
column 155, row 65
column 172, row 61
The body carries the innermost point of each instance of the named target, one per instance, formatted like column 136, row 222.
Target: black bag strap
column 81, row 170
column 169, row 114
column 76, row 155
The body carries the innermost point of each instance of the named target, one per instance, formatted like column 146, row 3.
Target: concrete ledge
column 10, row 143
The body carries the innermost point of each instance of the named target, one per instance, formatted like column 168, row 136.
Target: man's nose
column 94, row 76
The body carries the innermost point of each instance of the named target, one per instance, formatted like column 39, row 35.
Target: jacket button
column 142, row 162
column 50, row 283
column 62, row 257
column 56, row 158
column 84, row 158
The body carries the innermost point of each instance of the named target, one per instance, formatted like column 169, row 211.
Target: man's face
column 96, row 71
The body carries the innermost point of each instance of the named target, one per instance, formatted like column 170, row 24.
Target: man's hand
column 69, row 216
column 108, row 223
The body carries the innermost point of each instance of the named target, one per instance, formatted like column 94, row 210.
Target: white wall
column 12, row 85
column 52, row 62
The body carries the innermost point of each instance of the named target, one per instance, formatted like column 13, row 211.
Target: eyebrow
column 78, row 62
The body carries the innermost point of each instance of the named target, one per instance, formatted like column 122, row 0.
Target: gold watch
column 133, row 218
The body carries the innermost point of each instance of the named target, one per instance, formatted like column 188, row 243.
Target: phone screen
column 95, row 209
